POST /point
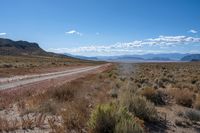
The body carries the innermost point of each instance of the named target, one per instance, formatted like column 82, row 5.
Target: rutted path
column 7, row 83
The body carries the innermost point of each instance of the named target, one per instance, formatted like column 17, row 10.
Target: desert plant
column 73, row 117
column 40, row 120
column 9, row 125
column 148, row 92
column 48, row 107
column 63, row 93
column 193, row 114
column 182, row 96
column 113, row 93
column 197, row 103
column 27, row 123
column 107, row 118
column 140, row 107
column 158, row 97
column 103, row 119
column 55, row 128
column 128, row 123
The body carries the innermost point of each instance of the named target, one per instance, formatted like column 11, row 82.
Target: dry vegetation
column 20, row 65
column 64, row 108
column 126, row 98
column 159, row 97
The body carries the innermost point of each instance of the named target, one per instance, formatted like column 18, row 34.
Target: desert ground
column 113, row 98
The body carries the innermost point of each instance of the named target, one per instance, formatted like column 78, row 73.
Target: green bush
column 128, row 123
column 103, row 119
column 107, row 118
column 193, row 114
column 140, row 107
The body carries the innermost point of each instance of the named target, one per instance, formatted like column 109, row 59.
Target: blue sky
column 104, row 27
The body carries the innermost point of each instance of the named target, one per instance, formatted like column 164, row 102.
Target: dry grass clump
column 63, row 93
column 140, row 107
column 74, row 116
column 148, row 92
column 55, row 127
column 158, row 97
column 183, row 97
column 107, row 118
column 25, row 123
column 196, row 103
column 113, row 93
column 9, row 126
column 47, row 107
column 32, row 121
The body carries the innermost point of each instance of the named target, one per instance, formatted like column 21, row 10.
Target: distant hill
column 10, row 47
column 134, row 57
column 160, row 59
column 81, row 57
column 192, row 57
column 164, row 56
column 129, row 58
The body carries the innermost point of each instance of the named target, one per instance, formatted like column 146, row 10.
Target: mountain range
column 145, row 57
column 10, row 47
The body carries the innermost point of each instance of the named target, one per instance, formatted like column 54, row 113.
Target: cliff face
column 9, row 47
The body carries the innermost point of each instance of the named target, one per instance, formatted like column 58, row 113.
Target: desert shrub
column 107, row 118
column 47, row 107
column 128, row 123
column 73, row 118
column 193, row 114
column 103, row 119
column 113, row 93
column 9, row 125
column 158, row 97
column 149, row 93
column 140, row 107
column 63, row 93
column 74, row 115
column 197, row 103
column 54, row 126
column 182, row 96
column 7, row 65
column 159, row 83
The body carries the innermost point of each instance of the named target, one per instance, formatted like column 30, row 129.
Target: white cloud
column 74, row 32
column 193, row 31
column 137, row 46
column 2, row 34
column 171, row 40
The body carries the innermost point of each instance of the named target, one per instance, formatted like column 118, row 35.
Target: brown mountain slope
column 10, row 47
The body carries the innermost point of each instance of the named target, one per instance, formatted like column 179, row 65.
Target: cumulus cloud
column 2, row 34
column 74, row 32
column 154, row 45
column 171, row 40
column 193, row 31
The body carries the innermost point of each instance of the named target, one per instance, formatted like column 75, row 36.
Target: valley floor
column 124, row 97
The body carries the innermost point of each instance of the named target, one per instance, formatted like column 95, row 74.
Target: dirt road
column 7, row 83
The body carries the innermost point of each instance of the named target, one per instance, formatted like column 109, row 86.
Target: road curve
column 40, row 77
